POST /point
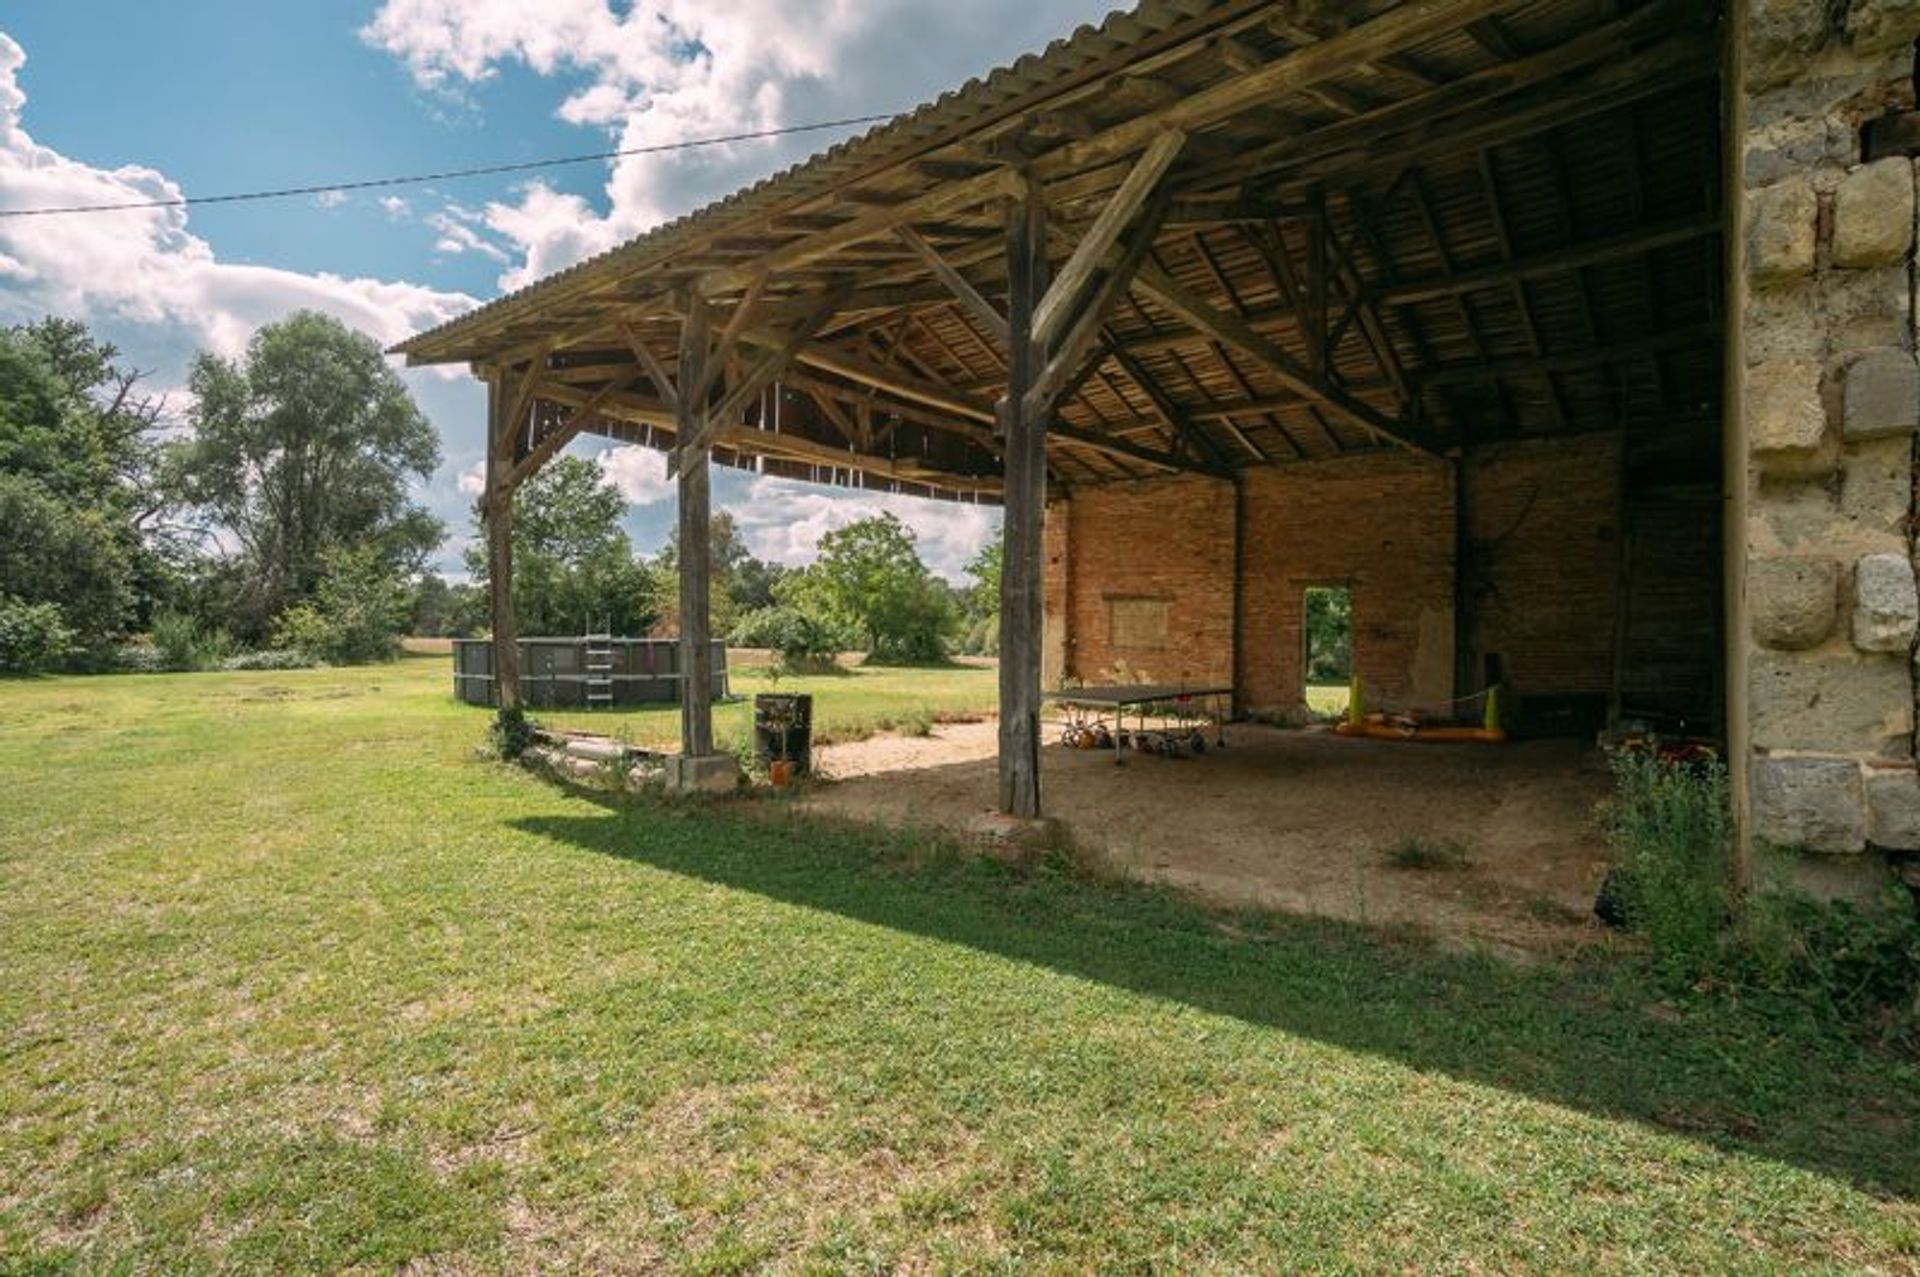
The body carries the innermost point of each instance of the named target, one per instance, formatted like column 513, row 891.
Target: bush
column 138, row 658
column 512, row 733
column 1670, row 825
column 1857, row 962
column 183, row 645
column 356, row 617
column 270, row 658
column 803, row 643
column 33, row 637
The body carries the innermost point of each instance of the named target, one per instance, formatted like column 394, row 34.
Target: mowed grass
column 291, row 980
column 850, row 705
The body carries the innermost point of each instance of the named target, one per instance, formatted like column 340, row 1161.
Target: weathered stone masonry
column 1831, row 394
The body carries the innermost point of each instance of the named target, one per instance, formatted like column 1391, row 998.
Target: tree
column 980, row 601
column 80, row 524
column 870, row 575
column 740, row 583
column 442, row 610
column 303, row 448
column 574, row 568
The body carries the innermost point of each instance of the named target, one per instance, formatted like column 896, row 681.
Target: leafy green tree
column 70, row 557
column 81, row 526
column 305, row 448
column 870, row 576
column 574, row 568
column 979, row 601
column 1329, row 626
column 740, row 583
column 444, row 610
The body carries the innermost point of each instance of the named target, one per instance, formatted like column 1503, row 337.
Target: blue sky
column 111, row 101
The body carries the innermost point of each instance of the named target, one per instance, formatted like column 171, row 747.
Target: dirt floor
column 1303, row 821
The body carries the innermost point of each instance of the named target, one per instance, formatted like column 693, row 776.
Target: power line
column 416, row 179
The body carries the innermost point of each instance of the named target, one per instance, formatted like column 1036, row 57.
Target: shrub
column 512, row 733
column 1422, row 853
column 1670, row 826
column 356, row 617
column 270, row 658
column 803, row 643
column 1857, row 962
column 33, row 637
column 182, row 644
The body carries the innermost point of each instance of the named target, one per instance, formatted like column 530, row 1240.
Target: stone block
column 1782, row 222
column 1886, row 604
column 1791, row 602
column 1831, row 702
column 1873, row 214
column 1876, row 487
column 1867, row 309
column 1786, row 420
column 596, row 748
column 1881, row 394
column 702, row 774
column 1881, row 26
column 1816, row 804
column 1782, row 38
column 1893, row 808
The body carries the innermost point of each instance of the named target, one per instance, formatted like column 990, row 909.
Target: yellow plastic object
column 1356, row 707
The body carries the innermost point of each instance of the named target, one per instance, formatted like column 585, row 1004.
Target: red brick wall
column 1546, row 530
column 1168, row 539
column 1383, row 526
column 1543, row 514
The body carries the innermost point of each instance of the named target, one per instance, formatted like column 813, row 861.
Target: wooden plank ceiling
column 1421, row 225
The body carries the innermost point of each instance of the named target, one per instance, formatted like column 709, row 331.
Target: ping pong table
column 1165, row 702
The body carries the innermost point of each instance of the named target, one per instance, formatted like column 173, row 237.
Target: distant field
column 1329, row 700
column 293, row 980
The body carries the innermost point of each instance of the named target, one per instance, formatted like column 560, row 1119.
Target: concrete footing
column 704, row 774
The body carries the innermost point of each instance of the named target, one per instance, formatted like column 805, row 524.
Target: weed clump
column 1427, row 855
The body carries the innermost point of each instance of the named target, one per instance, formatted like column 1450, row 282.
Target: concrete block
column 703, row 774
column 1831, row 702
column 1791, row 602
column 1818, row 804
column 1786, row 420
column 1873, row 214
column 1886, row 604
column 1893, row 808
column 1782, row 224
column 1882, row 395
column 596, row 749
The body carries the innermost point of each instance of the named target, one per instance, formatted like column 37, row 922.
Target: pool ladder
column 599, row 671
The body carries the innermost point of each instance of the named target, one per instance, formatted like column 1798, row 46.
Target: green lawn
column 290, row 979
column 847, row 705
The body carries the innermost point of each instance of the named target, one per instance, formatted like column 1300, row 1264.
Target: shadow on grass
column 1590, row 1035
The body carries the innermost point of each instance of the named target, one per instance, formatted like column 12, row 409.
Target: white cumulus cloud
column 145, row 268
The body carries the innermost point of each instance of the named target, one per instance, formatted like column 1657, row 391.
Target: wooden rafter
column 1232, row 331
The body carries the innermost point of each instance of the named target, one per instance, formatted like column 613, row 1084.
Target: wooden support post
column 501, row 430
column 696, row 498
column 1025, row 450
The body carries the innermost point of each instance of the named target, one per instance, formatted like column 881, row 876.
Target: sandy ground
column 1292, row 820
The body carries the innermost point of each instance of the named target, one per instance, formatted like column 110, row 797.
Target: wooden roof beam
column 1232, row 331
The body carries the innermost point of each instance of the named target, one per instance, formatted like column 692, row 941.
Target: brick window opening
column 1137, row 623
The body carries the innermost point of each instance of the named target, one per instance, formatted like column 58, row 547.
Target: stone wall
column 1831, row 407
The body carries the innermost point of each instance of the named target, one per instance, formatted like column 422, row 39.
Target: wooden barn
column 1538, row 326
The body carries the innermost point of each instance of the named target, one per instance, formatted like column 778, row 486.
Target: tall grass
column 1670, row 825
